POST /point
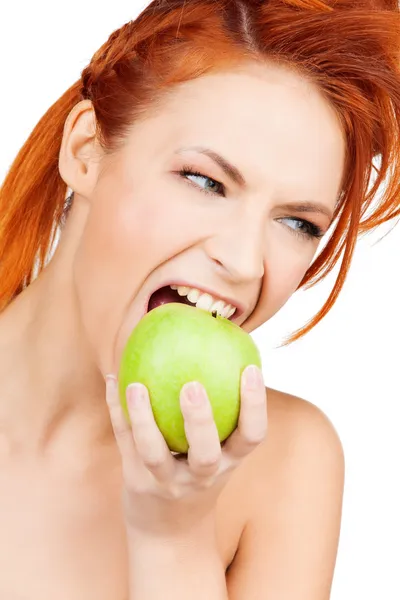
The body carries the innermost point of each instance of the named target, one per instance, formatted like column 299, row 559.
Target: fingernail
column 253, row 378
column 135, row 394
column 194, row 393
column 111, row 380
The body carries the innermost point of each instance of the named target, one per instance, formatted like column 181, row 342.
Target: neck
column 51, row 391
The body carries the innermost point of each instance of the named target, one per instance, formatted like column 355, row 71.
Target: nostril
column 219, row 265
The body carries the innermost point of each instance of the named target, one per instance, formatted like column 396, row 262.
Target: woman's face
column 269, row 153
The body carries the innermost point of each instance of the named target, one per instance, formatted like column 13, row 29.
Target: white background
column 348, row 366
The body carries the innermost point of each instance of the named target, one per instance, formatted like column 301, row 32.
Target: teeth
column 205, row 301
column 194, row 295
column 227, row 311
column 183, row 291
column 231, row 312
column 219, row 306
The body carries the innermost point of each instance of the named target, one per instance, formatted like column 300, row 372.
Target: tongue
column 166, row 295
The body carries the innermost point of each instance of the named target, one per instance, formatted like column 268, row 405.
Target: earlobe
column 79, row 152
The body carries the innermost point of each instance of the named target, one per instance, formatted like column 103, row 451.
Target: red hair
column 350, row 49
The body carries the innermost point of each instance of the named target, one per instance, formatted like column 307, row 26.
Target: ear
column 80, row 151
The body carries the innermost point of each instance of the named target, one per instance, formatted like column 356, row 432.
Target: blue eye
column 212, row 186
column 303, row 228
column 300, row 227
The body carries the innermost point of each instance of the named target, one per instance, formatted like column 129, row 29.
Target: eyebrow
column 237, row 177
column 308, row 207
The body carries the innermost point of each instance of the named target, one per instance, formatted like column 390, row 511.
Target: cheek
column 285, row 267
column 284, row 279
column 124, row 241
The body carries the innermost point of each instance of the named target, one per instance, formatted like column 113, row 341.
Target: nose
column 238, row 254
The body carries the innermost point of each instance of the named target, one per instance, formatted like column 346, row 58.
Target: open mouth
column 192, row 297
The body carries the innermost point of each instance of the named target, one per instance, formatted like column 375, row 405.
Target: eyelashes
column 187, row 172
column 303, row 228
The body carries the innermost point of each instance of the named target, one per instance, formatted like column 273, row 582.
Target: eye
column 212, row 186
column 303, row 228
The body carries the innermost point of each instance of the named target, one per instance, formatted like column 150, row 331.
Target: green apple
column 177, row 343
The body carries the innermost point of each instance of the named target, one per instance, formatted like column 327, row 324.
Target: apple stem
column 214, row 314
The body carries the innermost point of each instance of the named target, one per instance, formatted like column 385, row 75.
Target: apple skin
column 177, row 343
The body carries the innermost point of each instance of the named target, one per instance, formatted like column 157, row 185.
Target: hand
column 171, row 496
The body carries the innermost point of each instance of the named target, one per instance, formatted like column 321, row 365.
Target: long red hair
column 351, row 49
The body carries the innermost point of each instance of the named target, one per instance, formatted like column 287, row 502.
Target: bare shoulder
column 289, row 499
column 294, row 420
column 301, row 444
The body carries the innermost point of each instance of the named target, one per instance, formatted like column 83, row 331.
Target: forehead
column 270, row 121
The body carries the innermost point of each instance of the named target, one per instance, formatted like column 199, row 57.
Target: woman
column 209, row 145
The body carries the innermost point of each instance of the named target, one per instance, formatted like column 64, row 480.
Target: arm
column 289, row 545
column 169, row 502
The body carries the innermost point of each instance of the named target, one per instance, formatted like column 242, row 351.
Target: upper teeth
column 205, row 301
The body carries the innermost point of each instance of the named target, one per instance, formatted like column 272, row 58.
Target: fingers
column 252, row 425
column 121, row 427
column 149, row 441
column 206, row 459
column 204, row 453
